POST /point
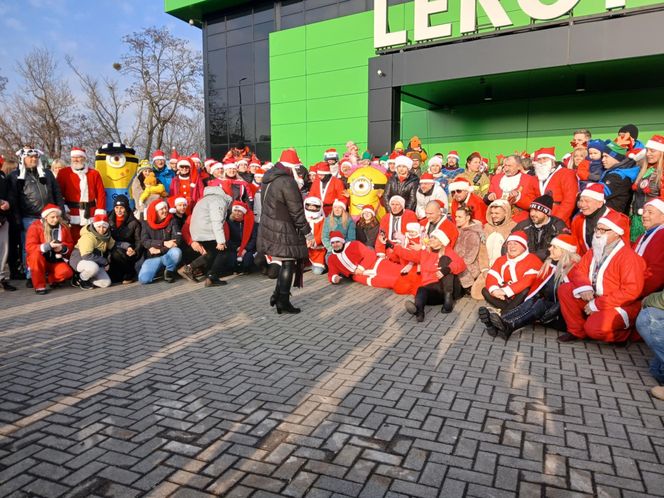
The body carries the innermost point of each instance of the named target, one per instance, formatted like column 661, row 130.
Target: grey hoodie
column 209, row 215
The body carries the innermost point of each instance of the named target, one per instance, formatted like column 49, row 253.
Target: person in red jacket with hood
column 462, row 194
column 515, row 186
column 327, row 188
column 558, row 182
column 440, row 268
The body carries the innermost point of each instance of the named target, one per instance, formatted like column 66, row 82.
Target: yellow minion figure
column 366, row 186
column 116, row 163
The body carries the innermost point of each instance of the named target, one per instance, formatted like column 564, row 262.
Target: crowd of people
column 572, row 241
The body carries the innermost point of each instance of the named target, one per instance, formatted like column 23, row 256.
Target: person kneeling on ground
column 511, row 276
column 241, row 237
column 440, row 268
column 91, row 254
column 126, row 232
column 160, row 238
column 541, row 304
column 650, row 325
column 47, row 243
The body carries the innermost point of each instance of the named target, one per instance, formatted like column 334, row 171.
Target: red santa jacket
column 333, row 190
column 527, row 189
column 563, row 186
column 475, row 202
column 443, row 224
column 619, row 279
column 513, row 275
column 317, row 254
column 579, row 230
column 354, row 254
column 428, row 261
column 387, row 226
column 650, row 246
column 35, row 238
column 191, row 188
column 85, row 188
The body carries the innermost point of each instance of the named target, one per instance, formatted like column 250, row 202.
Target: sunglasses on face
column 457, row 191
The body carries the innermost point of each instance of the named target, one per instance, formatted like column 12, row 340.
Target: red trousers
column 40, row 268
column 612, row 325
column 386, row 275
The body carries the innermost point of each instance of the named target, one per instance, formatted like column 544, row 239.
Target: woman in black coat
column 403, row 182
column 126, row 231
column 284, row 232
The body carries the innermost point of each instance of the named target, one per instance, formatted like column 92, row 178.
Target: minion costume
column 116, row 163
column 366, row 187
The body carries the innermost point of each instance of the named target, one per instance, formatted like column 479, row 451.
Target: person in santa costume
column 164, row 173
column 233, row 185
column 591, row 208
column 172, row 160
column 515, row 186
column 440, row 269
column 541, row 304
column 240, row 232
column 601, row 301
column 558, row 182
column 313, row 212
column 187, row 182
column 435, row 219
column 649, row 183
column 83, row 191
column 510, row 278
column 290, row 159
column 650, row 246
column 393, row 224
column 48, row 243
column 331, row 157
column 403, row 184
column 429, row 190
column 358, row 262
column 462, row 194
column 327, row 187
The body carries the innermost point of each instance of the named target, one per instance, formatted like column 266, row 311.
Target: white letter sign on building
column 423, row 9
column 493, row 9
column 382, row 38
column 543, row 12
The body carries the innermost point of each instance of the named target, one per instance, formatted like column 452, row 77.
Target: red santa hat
column 229, row 165
column 427, row 178
column 242, row 160
column 337, row 236
column 215, row 166
column 337, row 202
column 77, row 152
column 158, row 154
column 657, row 204
column 441, row 203
column 174, row 201
column 254, row 161
column 186, row 162
column 393, row 156
column 520, row 237
column 259, row 172
column 612, row 220
column 413, row 227
column 100, row 220
column 174, row 155
column 369, row 208
column 346, row 160
column 160, row 204
column 195, row 157
column 399, row 199
column 594, row 191
column 50, row 208
column 322, row 168
column 331, row 154
column 239, row 206
column 440, row 235
column 454, row 154
column 268, row 165
column 656, row 143
column 404, row 161
column 460, row 183
column 436, row 160
column 565, row 242
column 289, row 158
column 99, row 211
column 545, row 152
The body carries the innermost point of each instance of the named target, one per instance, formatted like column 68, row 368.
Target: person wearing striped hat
column 620, row 173
column 650, row 246
column 541, row 304
column 510, row 278
column 541, row 226
column 47, row 243
column 602, row 299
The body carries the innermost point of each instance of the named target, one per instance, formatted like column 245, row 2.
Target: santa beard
column 313, row 215
column 599, row 244
column 543, row 170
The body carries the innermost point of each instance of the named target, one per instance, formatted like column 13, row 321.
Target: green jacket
column 654, row 300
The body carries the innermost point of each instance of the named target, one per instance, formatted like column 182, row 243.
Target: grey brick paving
column 177, row 390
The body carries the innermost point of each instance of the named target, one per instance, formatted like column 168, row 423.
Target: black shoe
column 75, row 280
column 491, row 331
column 420, row 316
column 410, row 307
column 273, row 298
column 6, row 286
column 169, row 276
column 86, row 284
column 41, row 292
column 550, row 314
column 55, row 285
column 448, row 303
column 28, row 284
column 187, row 272
column 503, row 328
column 214, row 282
column 567, row 337
column 284, row 305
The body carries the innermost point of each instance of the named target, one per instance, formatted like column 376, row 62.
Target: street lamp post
column 239, row 89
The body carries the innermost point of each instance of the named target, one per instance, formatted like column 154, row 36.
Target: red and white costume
column 429, row 262
column 444, row 224
column 513, row 275
column 190, row 187
column 579, row 229
column 83, row 192
column 316, row 222
column 474, row 201
column 526, row 189
column 650, row 246
column 561, row 184
column 394, row 228
column 330, row 191
column 618, row 284
column 378, row 272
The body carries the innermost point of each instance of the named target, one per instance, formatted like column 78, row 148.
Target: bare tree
column 3, row 84
column 166, row 76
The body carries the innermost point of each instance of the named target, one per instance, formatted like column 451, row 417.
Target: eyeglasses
column 602, row 230
column 457, row 191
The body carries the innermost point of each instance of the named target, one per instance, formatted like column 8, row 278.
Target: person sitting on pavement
column 338, row 220
column 468, row 246
column 650, row 246
column 440, row 269
column 601, row 301
column 126, row 232
column 240, row 233
column 511, row 276
column 541, row 227
column 160, row 238
column 367, row 227
column 48, row 243
column 90, row 258
column 541, row 304
column 650, row 326
column 436, row 219
column 393, row 224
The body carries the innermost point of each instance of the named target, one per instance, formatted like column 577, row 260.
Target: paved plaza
column 185, row 391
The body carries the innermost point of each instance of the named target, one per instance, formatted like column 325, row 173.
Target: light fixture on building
column 488, row 94
column 380, row 73
column 580, row 83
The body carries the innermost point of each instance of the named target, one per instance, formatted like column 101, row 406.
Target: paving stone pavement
column 178, row 390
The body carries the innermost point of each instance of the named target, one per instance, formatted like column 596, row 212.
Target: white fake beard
column 599, row 244
column 543, row 170
column 313, row 215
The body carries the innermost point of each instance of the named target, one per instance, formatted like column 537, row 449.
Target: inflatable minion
column 366, row 187
column 116, row 163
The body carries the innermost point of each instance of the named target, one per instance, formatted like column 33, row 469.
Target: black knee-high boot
column 284, row 283
column 525, row 314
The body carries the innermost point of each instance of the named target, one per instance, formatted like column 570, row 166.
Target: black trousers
column 507, row 304
column 434, row 293
column 121, row 266
column 215, row 259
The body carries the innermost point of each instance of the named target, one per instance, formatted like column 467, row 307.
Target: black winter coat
column 28, row 197
column 283, row 228
column 406, row 189
column 126, row 235
column 367, row 234
column 4, row 196
column 539, row 238
column 156, row 238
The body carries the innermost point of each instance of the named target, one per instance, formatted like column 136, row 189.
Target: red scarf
column 119, row 220
column 152, row 217
column 247, row 229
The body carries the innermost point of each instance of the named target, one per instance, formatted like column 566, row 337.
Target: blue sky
column 90, row 31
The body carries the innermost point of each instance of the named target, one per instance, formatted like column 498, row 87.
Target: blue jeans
column 650, row 324
column 152, row 266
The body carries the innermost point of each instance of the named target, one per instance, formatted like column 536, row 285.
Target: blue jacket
column 165, row 176
column 618, row 185
column 334, row 223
